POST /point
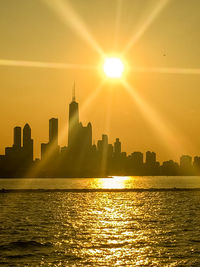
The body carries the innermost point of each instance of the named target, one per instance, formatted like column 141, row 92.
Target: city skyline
column 100, row 132
column 164, row 70
column 82, row 156
column 53, row 132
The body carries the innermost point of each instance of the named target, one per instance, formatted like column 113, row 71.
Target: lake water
column 118, row 182
column 139, row 228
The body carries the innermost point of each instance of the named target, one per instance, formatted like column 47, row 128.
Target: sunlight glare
column 113, row 67
column 63, row 133
column 161, row 4
column 117, row 23
column 39, row 64
column 164, row 132
column 167, row 70
column 69, row 17
column 116, row 182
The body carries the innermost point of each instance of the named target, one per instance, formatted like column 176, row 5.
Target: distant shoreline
column 137, row 190
column 96, row 177
column 69, row 177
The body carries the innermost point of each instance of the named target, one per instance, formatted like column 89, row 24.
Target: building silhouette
column 27, row 145
column 81, row 158
column 117, row 147
column 196, row 163
column 74, row 126
column 50, row 151
column 18, row 158
column 186, row 164
column 53, row 131
column 17, row 137
column 79, row 136
column 136, row 163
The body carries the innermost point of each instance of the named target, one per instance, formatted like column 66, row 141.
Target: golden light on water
column 113, row 227
column 113, row 67
column 116, row 182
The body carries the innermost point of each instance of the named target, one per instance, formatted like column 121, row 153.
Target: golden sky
column 33, row 31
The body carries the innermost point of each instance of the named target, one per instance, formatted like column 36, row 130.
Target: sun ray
column 164, row 133
column 33, row 172
column 92, row 96
column 167, row 70
column 147, row 23
column 83, row 108
column 105, row 154
column 39, row 64
column 70, row 18
column 117, row 23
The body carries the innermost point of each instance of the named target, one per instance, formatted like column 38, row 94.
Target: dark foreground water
column 140, row 228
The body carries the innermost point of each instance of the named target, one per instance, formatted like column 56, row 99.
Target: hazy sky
column 31, row 31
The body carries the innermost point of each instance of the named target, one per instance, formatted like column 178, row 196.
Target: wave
column 110, row 245
column 25, row 245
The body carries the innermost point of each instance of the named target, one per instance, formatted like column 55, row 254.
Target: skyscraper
column 73, row 120
column 52, row 146
column 27, row 144
column 186, row 164
column 53, row 131
column 117, row 147
column 26, row 135
column 17, row 137
column 137, row 159
column 150, row 158
column 102, row 145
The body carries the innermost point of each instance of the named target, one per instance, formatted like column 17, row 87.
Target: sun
column 113, row 67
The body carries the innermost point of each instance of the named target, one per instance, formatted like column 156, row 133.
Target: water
column 126, row 182
column 139, row 228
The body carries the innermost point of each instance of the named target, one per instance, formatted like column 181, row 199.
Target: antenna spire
column 73, row 93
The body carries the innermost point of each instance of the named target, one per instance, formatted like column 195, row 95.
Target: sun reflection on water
column 115, row 182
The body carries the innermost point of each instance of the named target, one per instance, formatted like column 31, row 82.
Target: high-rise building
column 26, row 135
column 137, row 158
column 51, row 149
column 186, row 162
column 196, row 162
column 117, row 147
column 79, row 137
column 85, row 136
column 27, row 144
column 53, row 131
column 73, row 120
column 17, row 137
column 150, row 158
column 105, row 140
column 110, row 150
column 44, row 150
column 102, row 145
column 135, row 163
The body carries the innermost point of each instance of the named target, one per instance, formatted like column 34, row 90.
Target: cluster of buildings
column 82, row 158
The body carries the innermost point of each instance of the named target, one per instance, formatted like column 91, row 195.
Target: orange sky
column 32, row 31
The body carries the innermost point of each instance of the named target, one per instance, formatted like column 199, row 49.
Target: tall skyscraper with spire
column 79, row 137
column 73, row 119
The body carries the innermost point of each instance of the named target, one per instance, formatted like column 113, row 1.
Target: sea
column 116, row 221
